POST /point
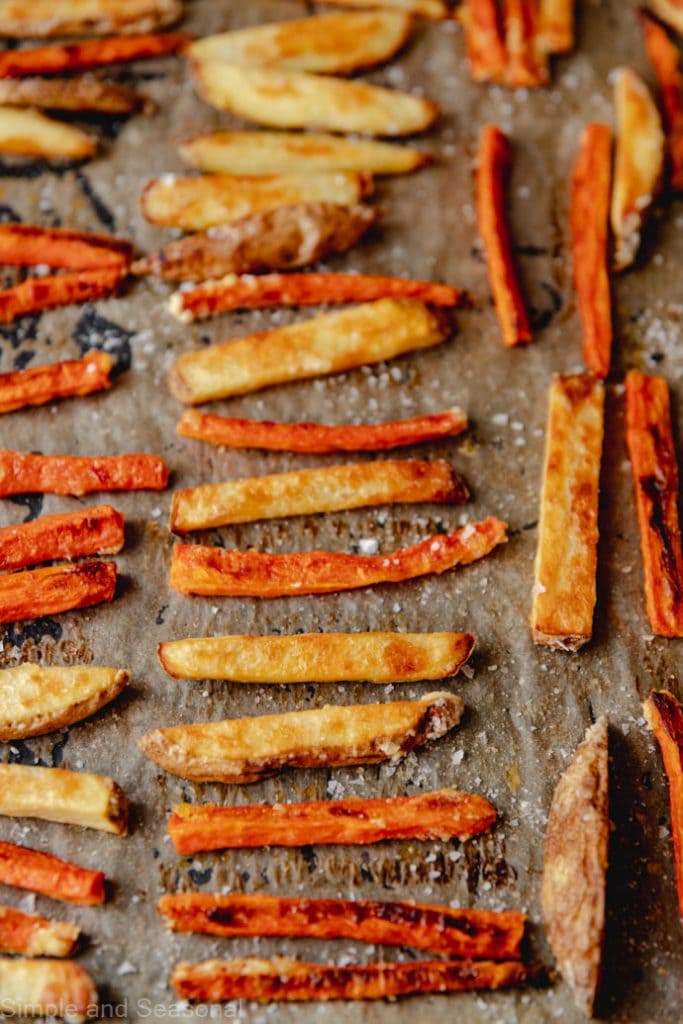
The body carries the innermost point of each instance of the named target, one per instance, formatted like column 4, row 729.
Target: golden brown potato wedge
column 319, row 657
column 670, row 11
column 54, row 988
column 73, row 94
column 35, row 936
column 248, row 749
column 35, row 700
column 278, row 98
column 23, row 19
column 436, row 9
column 56, row 794
column 30, row 133
column 638, row 164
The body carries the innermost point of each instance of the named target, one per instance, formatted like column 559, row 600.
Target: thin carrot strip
column 655, row 474
column 41, row 872
column 25, row 245
column 71, row 378
column 590, row 204
column 59, row 588
column 665, row 57
column 556, row 30
column 24, row 473
column 36, row 294
column 484, row 34
column 31, row 935
column 494, row 163
column 527, row 65
column 664, row 715
column 444, row 814
column 95, row 531
column 91, row 53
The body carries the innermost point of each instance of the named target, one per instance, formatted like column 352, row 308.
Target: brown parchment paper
column 526, row 708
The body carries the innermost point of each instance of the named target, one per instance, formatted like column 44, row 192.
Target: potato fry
column 278, row 98
column 664, row 715
column 444, row 814
column 330, row 343
column 73, row 94
column 200, row 202
column 332, row 44
column 655, row 475
column 492, row 173
column 26, row 245
column 293, row 153
column 590, row 201
column 486, row 51
column 638, row 164
column 31, row 935
column 41, row 872
column 94, row 531
column 311, row 491
column 575, row 867
column 527, row 63
column 248, row 749
column 57, row 794
column 320, row 437
column 54, row 988
column 36, row 294
column 319, row 657
column 435, row 9
column 666, row 60
column 566, row 557
column 670, row 11
column 57, row 588
column 26, row 473
column 30, row 133
column 478, row 934
column 37, row 385
column 220, row 572
column 556, row 31
column 90, row 53
column 22, row 20
column 35, row 700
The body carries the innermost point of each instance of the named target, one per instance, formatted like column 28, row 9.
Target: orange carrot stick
column 40, row 384
column 45, row 60
column 43, row 873
column 220, row 572
column 494, row 163
column 655, row 474
column 590, row 203
column 444, row 814
column 36, row 294
column 24, row 473
column 95, row 531
column 58, row 588
column 319, row 437
column 25, row 245
column 526, row 66
column 665, row 57
column 664, row 715
column 486, row 51
column 31, row 935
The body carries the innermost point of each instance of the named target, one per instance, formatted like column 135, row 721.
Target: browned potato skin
column 23, row 19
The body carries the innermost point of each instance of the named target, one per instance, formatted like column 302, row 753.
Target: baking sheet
column 526, row 708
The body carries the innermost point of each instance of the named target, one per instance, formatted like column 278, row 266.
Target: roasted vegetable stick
column 590, row 201
column 292, row 153
column 278, row 239
column 205, row 201
column 50, row 876
column 57, row 794
column 248, row 749
column 219, row 572
column 670, row 11
column 35, row 700
column 73, row 94
column 330, row 44
column 320, row 437
column 25, row 245
column 638, row 164
column 444, row 814
column 666, row 59
column 91, row 53
column 486, row 51
column 527, row 63
column 436, row 9
column 566, row 557
column 556, row 26
column 95, row 531
column 285, row 980
column 310, row 491
column 21, row 20
column 575, row 867
column 664, row 715
column 330, row 343
column 319, row 657
column 35, row 936
column 278, row 98
column 71, row 378
column 30, row 133
column 26, row 473
column 262, row 291
column 57, row 588
column 655, row 474
column 477, row 934
column 492, row 173
column 36, row 294
column 54, row 988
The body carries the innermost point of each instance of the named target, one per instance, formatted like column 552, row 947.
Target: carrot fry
column 285, row 980
column 527, row 65
column 90, row 53
column 494, row 163
column 655, row 474
column 41, row 872
column 35, row 936
column 36, row 294
column 665, row 57
column 208, row 571
column 22, row 473
column 58, row 588
column 590, row 203
column 48, row 988
column 71, row 378
column 477, row 934
column 444, row 814
column 556, row 32
column 25, row 245
column 485, row 45
column 319, row 437
column 664, row 715
column 95, row 531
